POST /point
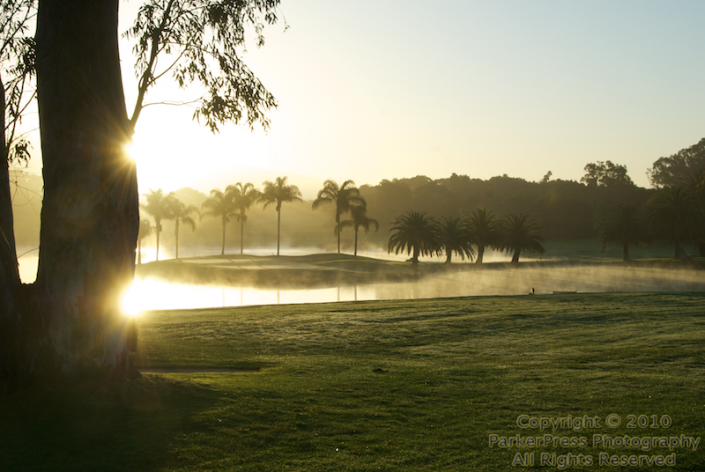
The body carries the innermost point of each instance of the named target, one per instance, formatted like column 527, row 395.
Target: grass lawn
column 394, row 385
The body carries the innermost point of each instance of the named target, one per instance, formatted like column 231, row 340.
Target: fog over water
column 150, row 294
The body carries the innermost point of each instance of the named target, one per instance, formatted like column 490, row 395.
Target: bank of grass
column 395, row 385
column 330, row 270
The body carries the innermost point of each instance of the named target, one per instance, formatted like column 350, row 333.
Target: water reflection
column 154, row 294
column 151, row 294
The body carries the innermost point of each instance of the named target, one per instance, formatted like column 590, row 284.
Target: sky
column 382, row 89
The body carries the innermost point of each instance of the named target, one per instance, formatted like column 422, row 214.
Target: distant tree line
column 563, row 209
column 675, row 213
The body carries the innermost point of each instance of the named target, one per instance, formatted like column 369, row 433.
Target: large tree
column 672, row 170
column 606, row 174
column 70, row 320
column 344, row 197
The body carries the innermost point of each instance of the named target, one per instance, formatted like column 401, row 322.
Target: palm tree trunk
column 176, row 233
column 355, row 241
column 515, row 257
column 242, row 236
column 480, row 254
column 337, row 222
column 448, row 256
column 279, row 219
column 159, row 230
column 680, row 252
column 415, row 258
column 222, row 250
column 625, row 253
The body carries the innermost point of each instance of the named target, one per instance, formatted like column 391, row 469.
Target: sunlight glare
column 132, row 302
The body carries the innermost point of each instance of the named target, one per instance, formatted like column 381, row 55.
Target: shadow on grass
column 127, row 425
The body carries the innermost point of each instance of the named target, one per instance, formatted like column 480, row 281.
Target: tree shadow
column 99, row 425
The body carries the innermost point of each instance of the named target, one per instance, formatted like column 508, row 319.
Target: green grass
column 398, row 385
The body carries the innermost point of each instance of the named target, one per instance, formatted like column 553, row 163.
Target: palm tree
column 521, row 234
column 674, row 216
column 219, row 204
column 278, row 192
column 243, row 196
column 485, row 231
column 345, row 197
column 453, row 237
column 159, row 206
column 146, row 229
column 624, row 226
column 180, row 214
column 415, row 233
column 359, row 219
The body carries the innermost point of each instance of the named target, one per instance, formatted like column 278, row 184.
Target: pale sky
column 381, row 89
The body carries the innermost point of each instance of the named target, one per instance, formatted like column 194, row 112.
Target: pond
column 154, row 294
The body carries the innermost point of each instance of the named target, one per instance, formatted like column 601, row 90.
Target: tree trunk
column 680, row 252
column 222, row 250
column 355, row 242
column 625, row 253
column 279, row 219
column 90, row 212
column 515, row 257
column 176, row 236
column 480, row 254
column 6, row 218
column 9, row 271
column 415, row 258
column 242, row 236
column 448, row 255
column 159, row 230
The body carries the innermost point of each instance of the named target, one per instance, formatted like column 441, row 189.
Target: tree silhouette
column 484, row 230
column 243, row 197
column 694, row 181
column 453, row 237
column 278, row 192
column 90, row 211
column 195, row 35
column 219, row 205
column 344, row 197
column 674, row 216
column 146, row 229
column 358, row 219
column 521, row 234
column 180, row 213
column 414, row 233
column 159, row 206
column 624, row 225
